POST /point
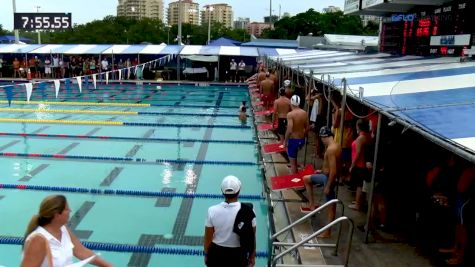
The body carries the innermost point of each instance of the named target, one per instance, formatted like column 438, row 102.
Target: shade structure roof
column 436, row 95
column 162, row 49
column 224, row 42
column 124, row 49
column 18, row 48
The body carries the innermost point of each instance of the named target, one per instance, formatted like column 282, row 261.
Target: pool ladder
column 277, row 260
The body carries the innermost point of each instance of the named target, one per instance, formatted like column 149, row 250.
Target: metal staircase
column 277, row 259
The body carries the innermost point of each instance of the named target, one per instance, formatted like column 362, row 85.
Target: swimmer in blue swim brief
column 293, row 147
column 297, row 127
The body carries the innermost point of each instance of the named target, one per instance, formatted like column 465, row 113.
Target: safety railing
column 294, row 246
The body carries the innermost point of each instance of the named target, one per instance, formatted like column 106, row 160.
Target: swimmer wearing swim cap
column 297, row 127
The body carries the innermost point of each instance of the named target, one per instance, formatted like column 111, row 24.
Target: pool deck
column 383, row 249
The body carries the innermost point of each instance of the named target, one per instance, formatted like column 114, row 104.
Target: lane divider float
column 8, row 240
column 120, row 123
column 18, row 102
column 125, row 138
column 121, row 192
column 124, row 159
column 112, row 112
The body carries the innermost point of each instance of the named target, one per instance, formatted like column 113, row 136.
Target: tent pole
column 218, row 69
column 178, row 67
column 329, row 104
column 112, row 63
column 307, row 92
column 373, row 175
column 342, row 119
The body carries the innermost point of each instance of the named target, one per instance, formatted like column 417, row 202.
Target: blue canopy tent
column 10, row 39
column 224, row 42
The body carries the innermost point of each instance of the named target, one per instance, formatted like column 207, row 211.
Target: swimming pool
column 139, row 167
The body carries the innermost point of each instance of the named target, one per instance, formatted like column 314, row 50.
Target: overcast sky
column 87, row 10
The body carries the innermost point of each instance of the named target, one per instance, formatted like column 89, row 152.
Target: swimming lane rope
column 126, row 138
column 121, row 192
column 113, row 112
column 128, row 160
column 120, row 123
column 7, row 240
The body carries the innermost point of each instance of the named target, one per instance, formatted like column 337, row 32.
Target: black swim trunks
column 282, row 127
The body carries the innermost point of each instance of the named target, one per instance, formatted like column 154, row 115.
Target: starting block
column 274, row 148
column 266, row 126
column 291, row 181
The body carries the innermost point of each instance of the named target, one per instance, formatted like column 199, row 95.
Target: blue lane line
column 125, row 138
column 193, row 106
column 185, row 125
column 7, row 240
column 186, row 114
column 125, row 159
column 121, row 192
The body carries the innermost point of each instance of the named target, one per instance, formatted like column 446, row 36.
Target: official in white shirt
column 222, row 245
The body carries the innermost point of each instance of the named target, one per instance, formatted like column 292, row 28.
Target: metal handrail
column 313, row 212
column 304, row 218
column 326, row 227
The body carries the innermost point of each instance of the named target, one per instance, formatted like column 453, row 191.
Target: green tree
column 372, row 28
column 123, row 30
column 3, row 31
column 318, row 24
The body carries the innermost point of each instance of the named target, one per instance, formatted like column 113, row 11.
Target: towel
column 314, row 112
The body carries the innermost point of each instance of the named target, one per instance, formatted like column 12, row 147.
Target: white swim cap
column 287, row 83
column 230, row 185
column 295, row 100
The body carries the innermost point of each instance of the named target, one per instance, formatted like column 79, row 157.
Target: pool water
column 125, row 182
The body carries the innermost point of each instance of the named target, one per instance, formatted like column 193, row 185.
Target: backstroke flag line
column 29, row 89
column 79, row 83
column 56, row 87
column 94, row 80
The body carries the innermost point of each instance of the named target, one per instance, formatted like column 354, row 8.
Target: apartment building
column 189, row 12
column 222, row 13
column 141, row 9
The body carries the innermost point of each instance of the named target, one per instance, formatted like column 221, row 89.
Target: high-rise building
column 222, row 13
column 189, row 12
column 331, row 9
column 241, row 23
column 268, row 19
column 141, row 9
column 256, row 28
